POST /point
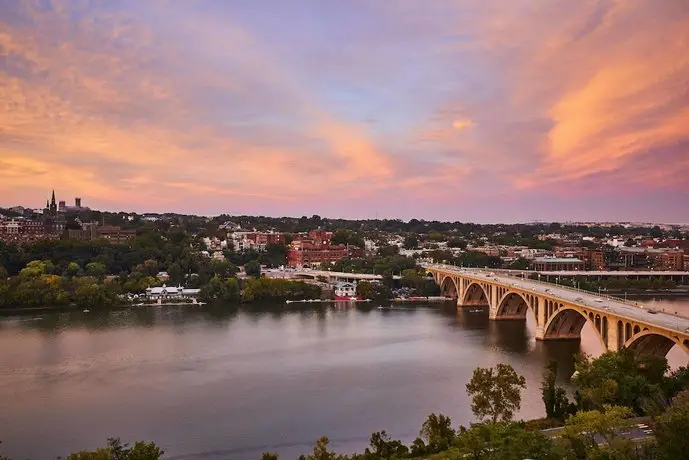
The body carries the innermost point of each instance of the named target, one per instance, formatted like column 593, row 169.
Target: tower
column 53, row 205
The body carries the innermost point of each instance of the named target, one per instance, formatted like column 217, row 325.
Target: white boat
column 85, row 310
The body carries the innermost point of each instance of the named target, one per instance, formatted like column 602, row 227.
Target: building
column 594, row 259
column 62, row 207
column 23, row 230
column 686, row 262
column 93, row 231
column 557, row 264
column 670, row 260
column 317, row 248
column 255, row 241
column 344, row 290
column 170, row 292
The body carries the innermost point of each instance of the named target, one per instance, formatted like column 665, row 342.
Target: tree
column 495, row 392
column 505, row 441
column 586, row 426
column 71, row 270
column 321, row 452
column 97, row 270
column 253, row 268
column 411, row 242
column 364, row 289
column 519, row 264
column 437, row 432
column 174, row 270
column 270, row 456
column 275, row 255
column 386, row 448
column 557, row 405
column 116, row 450
column 622, row 378
column 672, row 427
column 456, row 243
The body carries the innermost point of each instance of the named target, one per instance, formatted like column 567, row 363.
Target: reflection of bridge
column 562, row 312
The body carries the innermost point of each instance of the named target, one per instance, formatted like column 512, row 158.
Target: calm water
column 214, row 384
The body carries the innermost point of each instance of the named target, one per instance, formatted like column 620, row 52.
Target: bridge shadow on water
column 516, row 338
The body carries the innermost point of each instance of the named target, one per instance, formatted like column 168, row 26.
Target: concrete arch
column 448, row 287
column 513, row 305
column 475, row 294
column 567, row 323
column 653, row 343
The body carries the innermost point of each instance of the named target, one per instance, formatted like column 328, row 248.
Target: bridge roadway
column 601, row 273
column 618, row 323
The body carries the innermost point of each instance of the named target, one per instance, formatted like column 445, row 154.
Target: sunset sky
column 487, row 111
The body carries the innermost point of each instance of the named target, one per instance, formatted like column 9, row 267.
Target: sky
column 484, row 111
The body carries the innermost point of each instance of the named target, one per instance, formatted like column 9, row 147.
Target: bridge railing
column 563, row 286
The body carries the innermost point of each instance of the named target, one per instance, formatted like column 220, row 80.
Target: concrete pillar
column 612, row 334
column 540, row 319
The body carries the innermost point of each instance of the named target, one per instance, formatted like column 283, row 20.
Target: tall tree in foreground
column 672, row 429
column 496, row 392
column 557, row 406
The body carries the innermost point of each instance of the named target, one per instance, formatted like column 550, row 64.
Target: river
column 218, row 383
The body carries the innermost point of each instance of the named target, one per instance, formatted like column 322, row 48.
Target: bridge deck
column 593, row 302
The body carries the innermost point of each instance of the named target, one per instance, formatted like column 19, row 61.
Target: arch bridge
column 561, row 312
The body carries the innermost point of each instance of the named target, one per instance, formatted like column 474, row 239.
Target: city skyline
column 456, row 110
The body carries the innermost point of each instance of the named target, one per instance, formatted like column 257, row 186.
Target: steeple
column 53, row 205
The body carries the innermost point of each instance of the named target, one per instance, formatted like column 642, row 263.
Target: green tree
column 386, row 448
column 584, row 427
column 71, row 270
column 116, row 450
column 253, row 268
column 672, row 427
column 622, row 378
column 270, row 456
column 411, row 242
column 321, row 452
column 555, row 400
column 495, row 392
column 505, row 441
column 519, row 264
column 456, row 243
column 174, row 271
column 96, row 270
column 364, row 289
column 437, row 432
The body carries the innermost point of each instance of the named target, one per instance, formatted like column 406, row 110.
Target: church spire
column 53, row 205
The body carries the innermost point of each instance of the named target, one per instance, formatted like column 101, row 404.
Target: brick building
column 316, row 248
column 670, row 260
column 93, row 231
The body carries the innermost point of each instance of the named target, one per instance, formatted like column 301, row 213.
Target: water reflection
column 203, row 382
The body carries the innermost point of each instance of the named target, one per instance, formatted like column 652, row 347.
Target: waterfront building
column 170, row 292
column 344, row 290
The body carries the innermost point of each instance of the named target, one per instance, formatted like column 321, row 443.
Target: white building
column 171, row 292
column 344, row 290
